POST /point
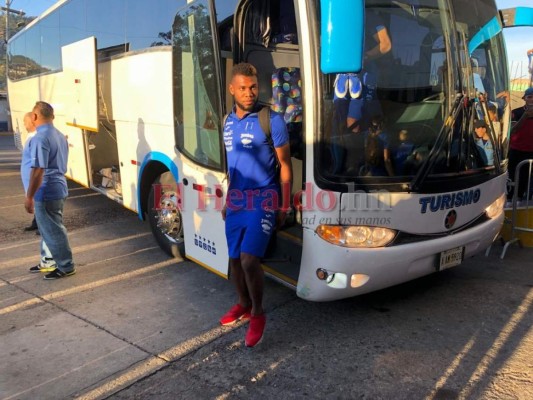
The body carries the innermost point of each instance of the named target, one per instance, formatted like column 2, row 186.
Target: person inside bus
column 493, row 118
column 377, row 44
column 493, row 122
column 521, row 143
column 483, row 142
column 377, row 153
column 47, row 192
column 401, row 151
column 353, row 144
column 255, row 185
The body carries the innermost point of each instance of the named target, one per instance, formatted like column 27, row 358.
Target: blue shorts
column 248, row 230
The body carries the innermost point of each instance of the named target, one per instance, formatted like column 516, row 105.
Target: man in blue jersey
column 483, row 143
column 47, row 191
column 253, row 195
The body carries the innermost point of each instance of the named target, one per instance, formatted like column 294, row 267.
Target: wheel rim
column 168, row 217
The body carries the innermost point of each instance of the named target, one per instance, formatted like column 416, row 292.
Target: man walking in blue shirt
column 47, row 191
column 253, row 193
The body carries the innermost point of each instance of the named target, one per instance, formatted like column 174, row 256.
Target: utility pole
column 8, row 10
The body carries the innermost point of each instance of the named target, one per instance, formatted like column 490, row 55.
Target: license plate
column 451, row 258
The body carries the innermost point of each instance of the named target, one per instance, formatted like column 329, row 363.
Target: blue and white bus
column 380, row 98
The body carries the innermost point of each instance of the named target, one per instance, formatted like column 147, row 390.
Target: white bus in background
column 140, row 89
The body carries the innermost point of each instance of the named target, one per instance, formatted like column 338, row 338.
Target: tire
column 166, row 221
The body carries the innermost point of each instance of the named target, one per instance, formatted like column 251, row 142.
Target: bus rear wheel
column 165, row 219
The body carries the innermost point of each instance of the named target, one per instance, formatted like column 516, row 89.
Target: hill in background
column 16, row 23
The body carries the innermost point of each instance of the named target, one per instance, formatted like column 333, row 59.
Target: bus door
column 80, row 102
column 198, row 118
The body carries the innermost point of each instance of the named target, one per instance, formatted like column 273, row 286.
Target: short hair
column 376, row 123
column 44, row 109
column 245, row 69
column 480, row 124
column 493, row 108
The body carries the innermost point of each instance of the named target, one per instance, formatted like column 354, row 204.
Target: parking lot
column 133, row 323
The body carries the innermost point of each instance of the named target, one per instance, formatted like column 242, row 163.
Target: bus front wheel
column 165, row 219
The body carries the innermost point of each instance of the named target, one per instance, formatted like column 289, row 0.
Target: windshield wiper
column 442, row 137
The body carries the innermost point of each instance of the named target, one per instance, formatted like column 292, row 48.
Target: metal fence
column 522, row 206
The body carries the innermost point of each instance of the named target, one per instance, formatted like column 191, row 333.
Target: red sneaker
column 236, row 313
column 255, row 330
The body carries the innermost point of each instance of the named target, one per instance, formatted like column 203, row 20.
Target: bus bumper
column 352, row 272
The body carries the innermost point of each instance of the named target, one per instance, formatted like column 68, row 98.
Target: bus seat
column 287, row 100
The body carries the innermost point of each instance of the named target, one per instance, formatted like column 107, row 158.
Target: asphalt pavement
column 134, row 324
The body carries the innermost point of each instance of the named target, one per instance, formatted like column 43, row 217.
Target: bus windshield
column 381, row 124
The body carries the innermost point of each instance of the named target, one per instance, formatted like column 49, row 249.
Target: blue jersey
column 486, row 151
column 251, row 159
column 49, row 150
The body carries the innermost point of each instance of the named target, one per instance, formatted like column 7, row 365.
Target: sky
column 31, row 7
column 518, row 40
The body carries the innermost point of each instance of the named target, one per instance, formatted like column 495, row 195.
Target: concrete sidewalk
column 129, row 307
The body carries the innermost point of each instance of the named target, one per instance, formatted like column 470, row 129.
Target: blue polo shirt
column 251, row 160
column 49, row 150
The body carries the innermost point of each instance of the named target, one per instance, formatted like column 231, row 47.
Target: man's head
column 28, row 122
column 376, row 124
column 43, row 113
column 480, row 128
column 493, row 112
column 528, row 96
column 244, row 87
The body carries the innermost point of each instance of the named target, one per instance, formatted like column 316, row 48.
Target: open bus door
column 198, row 117
column 81, row 102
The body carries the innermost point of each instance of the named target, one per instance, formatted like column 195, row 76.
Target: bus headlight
column 356, row 236
column 496, row 208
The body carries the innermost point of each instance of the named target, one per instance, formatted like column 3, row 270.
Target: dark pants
column 515, row 157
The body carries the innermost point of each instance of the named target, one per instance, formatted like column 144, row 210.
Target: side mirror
column 342, row 35
column 519, row 16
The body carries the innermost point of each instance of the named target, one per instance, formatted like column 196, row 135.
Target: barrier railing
column 520, row 206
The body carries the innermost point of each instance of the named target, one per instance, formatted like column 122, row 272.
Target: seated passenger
column 415, row 160
column 354, row 145
column 403, row 150
column 483, row 143
column 377, row 153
